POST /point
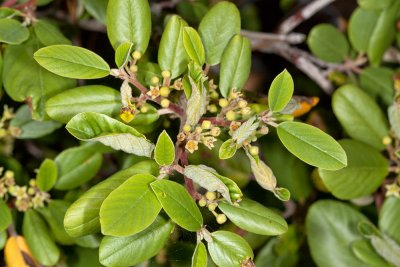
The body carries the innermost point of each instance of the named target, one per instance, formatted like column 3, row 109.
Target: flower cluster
column 7, row 132
column 204, row 134
column 210, row 200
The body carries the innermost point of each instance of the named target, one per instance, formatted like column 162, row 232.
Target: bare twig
column 260, row 38
column 392, row 55
column 303, row 14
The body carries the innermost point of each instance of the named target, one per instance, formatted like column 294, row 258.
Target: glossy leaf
column 146, row 71
column 378, row 82
column 130, row 208
column 48, row 34
column 96, row 8
column 123, row 53
column 394, row 118
column 178, row 204
column 254, row 217
column 235, row 65
column 76, row 166
column 47, row 175
column 361, row 26
column 5, row 218
column 91, row 126
column 164, row 153
column 328, row 43
column 359, row 115
column 95, row 98
column 227, row 149
column 282, row 193
column 365, row 171
column 171, row 52
column 39, row 240
column 72, row 62
column 331, row 229
column 373, row 4
column 82, row 217
column 366, row 253
column 199, row 258
column 193, row 46
column 88, row 241
column 117, row 251
column 281, row 91
column 12, row 31
column 129, row 21
column 224, row 253
column 388, row 218
column 217, row 27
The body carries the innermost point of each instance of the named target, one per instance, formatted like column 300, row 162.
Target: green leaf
column 96, row 98
column 72, row 62
column 129, row 21
column 27, row 128
column 365, row 171
column 6, row 12
column 123, row 53
column 88, row 241
column 197, row 103
column 235, row 65
column 373, row 4
column 262, row 173
column 91, row 126
column 25, row 80
column 117, row 251
column 361, row 26
column 12, row 31
column 130, row 208
column 228, row 249
column 48, row 34
column 171, row 52
column 5, row 218
column 360, row 116
column 389, row 218
column 54, row 214
column 254, row 217
column 47, row 175
column 280, row 92
column 39, row 240
column 366, row 253
column 193, row 45
column 327, row 43
column 273, row 254
column 312, row 145
column 199, row 258
column 3, row 239
column 331, row 229
column 164, row 153
column 146, row 71
column 227, row 149
column 76, row 166
column 216, row 29
column 246, row 130
column 178, row 204
column 82, row 217
column 394, row 118
column 96, row 8
column 378, row 82
column 282, row 193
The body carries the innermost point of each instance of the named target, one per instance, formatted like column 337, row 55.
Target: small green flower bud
column 221, row 218
column 164, row 91
column 254, row 150
column 212, row 206
column 155, row 80
column 206, row 124
column 223, row 102
column 133, row 68
column 166, row 74
column 136, row 55
column 210, row 195
column 230, row 115
column 187, row 128
column 202, row 202
column 165, row 103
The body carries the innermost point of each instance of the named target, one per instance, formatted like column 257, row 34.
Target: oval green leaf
column 199, row 258
column 193, row 45
column 254, row 217
column 96, row 8
column 72, row 62
column 280, row 92
column 122, row 54
column 216, row 29
column 5, row 218
column 312, row 145
column 224, row 253
column 389, row 222
column 378, row 82
column 328, row 43
column 366, row 169
column 47, row 175
column 235, row 65
column 360, row 116
column 366, row 253
column 361, row 26
column 92, row 126
column 164, row 153
column 12, row 31
column 130, row 208
column 117, row 251
column 48, row 34
column 227, row 149
column 178, row 204
column 129, row 21
column 373, row 4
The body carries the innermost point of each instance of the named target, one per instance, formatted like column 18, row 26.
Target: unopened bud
column 223, row 102
column 206, row 124
column 166, row 74
column 164, row 91
column 136, row 55
column 165, row 103
column 221, row 218
column 210, row 195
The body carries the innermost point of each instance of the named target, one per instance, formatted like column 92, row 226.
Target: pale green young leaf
column 366, row 169
column 12, row 31
column 262, row 173
column 328, row 43
column 197, row 103
column 254, row 217
column 280, row 91
column 72, row 62
column 47, row 175
column 123, row 53
column 199, row 258
column 360, row 116
column 282, row 193
column 361, row 26
column 82, row 217
column 246, row 130
column 130, row 208
column 164, row 153
column 193, row 45
column 91, row 126
column 5, row 218
column 312, row 145
column 117, row 251
column 48, row 34
column 235, row 65
column 224, row 254
column 227, row 149
column 96, row 98
column 178, row 204
column 129, row 21
column 216, row 29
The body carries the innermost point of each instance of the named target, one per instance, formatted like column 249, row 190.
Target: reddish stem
column 188, row 182
column 216, row 121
